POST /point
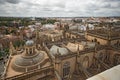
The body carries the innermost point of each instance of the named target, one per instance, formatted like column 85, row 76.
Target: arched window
column 72, row 37
column 101, row 56
column 33, row 49
column 27, row 51
column 98, row 42
column 30, row 50
column 66, row 69
column 117, row 43
column 92, row 40
column 86, row 62
column 95, row 40
column 107, row 57
column 116, row 59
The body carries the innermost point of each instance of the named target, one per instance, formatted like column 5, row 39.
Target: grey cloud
column 46, row 9
column 106, row 5
column 3, row 1
column 60, row 8
column 9, row 1
column 92, row 7
column 108, row 0
column 13, row 1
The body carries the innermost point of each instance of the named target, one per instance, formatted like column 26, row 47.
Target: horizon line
column 58, row 16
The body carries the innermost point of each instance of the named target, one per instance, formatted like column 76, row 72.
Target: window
column 66, row 69
column 34, row 50
column 116, row 59
column 92, row 40
column 86, row 62
column 107, row 57
column 98, row 43
column 95, row 40
column 101, row 56
column 30, row 50
column 27, row 51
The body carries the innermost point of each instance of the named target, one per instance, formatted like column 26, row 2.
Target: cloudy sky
column 59, row 8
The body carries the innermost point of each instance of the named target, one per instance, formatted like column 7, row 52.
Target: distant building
column 64, row 54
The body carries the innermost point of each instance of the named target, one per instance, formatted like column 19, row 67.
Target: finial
column 58, row 51
column 78, row 48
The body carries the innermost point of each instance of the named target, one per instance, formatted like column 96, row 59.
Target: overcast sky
column 59, row 8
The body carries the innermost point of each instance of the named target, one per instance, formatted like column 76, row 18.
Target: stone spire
column 58, row 51
column 87, row 28
column 109, row 33
column 78, row 49
column 37, row 34
column 11, row 49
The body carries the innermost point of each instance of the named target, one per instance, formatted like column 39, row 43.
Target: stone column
column 26, row 70
column 38, row 66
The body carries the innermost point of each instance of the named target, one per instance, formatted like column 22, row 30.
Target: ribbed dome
column 28, row 61
column 29, row 43
column 31, row 62
column 55, row 50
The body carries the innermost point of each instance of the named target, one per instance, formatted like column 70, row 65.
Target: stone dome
column 29, row 43
column 56, row 50
column 30, row 62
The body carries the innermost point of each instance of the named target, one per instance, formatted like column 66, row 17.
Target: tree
column 18, row 43
column 7, row 31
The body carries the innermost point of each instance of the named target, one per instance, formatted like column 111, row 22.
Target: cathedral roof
column 56, row 50
column 73, row 47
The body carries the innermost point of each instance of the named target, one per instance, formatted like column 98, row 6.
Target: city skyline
column 59, row 8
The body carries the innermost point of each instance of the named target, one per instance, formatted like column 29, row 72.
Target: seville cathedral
column 64, row 54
